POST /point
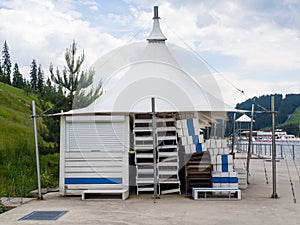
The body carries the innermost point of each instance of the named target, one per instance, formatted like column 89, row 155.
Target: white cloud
column 251, row 87
column 93, row 5
column 43, row 30
column 264, row 45
column 230, row 29
column 262, row 48
column 263, row 37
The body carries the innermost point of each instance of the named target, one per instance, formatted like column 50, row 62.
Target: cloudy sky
column 253, row 44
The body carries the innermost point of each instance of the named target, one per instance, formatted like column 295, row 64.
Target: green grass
column 17, row 149
column 15, row 121
column 295, row 118
column 291, row 123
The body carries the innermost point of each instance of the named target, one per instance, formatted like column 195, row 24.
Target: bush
column 2, row 208
column 50, row 170
column 18, row 169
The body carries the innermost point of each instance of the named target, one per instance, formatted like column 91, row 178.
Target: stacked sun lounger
column 190, row 138
column 223, row 174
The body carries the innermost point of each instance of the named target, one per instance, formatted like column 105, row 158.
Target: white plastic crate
column 185, row 132
column 233, row 174
column 184, row 140
column 226, row 150
column 234, row 185
column 216, row 151
column 178, row 124
column 213, row 160
column 216, row 174
column 216, row 185
column 224, row 143
column 225, row 174
column 184, row 123
column 190, row 140
column 213, row 143
column 219, row 143
column 201, row 138
column 179, row 132
column 204, row 147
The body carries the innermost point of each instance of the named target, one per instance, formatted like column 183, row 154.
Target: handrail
column 264, row 149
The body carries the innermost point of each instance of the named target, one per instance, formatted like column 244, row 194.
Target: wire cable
column 203, row 59
column 266, row 173
column 129, row 41
column 292, row 153
column 47, row 110
column 293, row 158
column 290, row 179
column 211, row 66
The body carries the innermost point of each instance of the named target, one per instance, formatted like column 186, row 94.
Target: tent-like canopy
column 155, row 72
column 243, row 119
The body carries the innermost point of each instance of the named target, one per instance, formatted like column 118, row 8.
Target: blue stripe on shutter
column 93, row 180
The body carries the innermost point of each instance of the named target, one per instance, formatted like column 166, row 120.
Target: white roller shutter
column 96, row 136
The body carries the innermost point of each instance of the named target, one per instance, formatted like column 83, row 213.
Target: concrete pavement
column 256, row 206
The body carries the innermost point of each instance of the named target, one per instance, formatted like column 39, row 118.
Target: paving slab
column 256, row 206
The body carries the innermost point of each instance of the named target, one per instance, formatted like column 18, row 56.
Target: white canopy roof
column 244, row 119
column 155, row 73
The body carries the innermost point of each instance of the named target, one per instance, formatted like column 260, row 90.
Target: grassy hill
column 15, row 111
column 17, row 150
column 292, row 125
column 295, row 117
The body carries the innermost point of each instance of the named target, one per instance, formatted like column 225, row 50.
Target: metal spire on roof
column 156, row 34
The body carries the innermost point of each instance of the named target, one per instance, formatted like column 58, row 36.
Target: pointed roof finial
column 156, row 34
column 156, row 12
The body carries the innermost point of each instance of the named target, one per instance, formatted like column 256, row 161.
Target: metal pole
column 37, row 152
column 215, row 130
column 233, row 135
column 154, row 148
column 274, row 194
column 250, row 143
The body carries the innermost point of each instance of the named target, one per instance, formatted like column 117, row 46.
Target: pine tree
column 6, row 65
column 17, row 77
column 33, row 75
column 75, row 80
column 1, row 74
column 48, row 90
column 26, row 86
column 49, row 84
column 40, row 79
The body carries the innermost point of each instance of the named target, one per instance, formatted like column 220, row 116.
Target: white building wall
column 94, row 153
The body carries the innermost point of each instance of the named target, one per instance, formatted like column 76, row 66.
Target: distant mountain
column 287, row 107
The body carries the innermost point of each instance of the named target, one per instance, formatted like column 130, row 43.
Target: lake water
column 284, row 149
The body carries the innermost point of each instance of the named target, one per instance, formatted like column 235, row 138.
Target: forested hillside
column 288, row 107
